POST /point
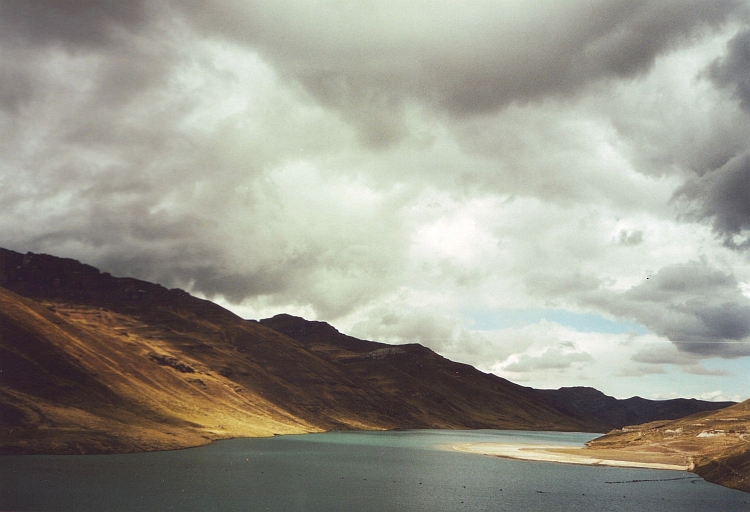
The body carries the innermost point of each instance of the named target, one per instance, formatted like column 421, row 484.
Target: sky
column 556, row 192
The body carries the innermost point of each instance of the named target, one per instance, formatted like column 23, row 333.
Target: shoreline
column 564, row 455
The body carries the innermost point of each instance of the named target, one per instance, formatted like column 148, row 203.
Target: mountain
column 716, row 444
column 423, row 381
column 92, row 363
column 608, row 410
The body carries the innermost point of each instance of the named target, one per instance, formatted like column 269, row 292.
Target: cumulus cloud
column 719, row 192
column 69, row 41
column 630, row 238
column 652, row 360
column 640, row 370
column 421, row 326
column 389, row 167
column 554, row 358
column 719, row 396
column 733, row 70
column 700, row 309
column 74, row 22
column 369, row 62
column 721, row 197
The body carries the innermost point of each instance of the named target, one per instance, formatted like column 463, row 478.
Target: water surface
column 351, row 471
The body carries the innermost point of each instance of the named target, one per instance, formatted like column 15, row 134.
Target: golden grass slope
column 91, row 363
column 715, row 445
column 81, row 379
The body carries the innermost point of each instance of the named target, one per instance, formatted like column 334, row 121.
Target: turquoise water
column 350, row 471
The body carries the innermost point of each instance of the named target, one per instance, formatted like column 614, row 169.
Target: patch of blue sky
column 491, row 319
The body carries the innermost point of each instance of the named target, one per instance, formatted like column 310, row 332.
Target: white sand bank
column 548, row 453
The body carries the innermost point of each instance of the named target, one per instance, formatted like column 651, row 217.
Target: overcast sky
column 557, row 192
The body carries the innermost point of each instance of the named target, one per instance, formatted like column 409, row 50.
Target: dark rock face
column 172, row 362
column 312, row 333
column 45, row 277
column 594, row 404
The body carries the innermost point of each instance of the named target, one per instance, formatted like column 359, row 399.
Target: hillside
column 715, row 444
column 422, row 380
column 617, row 413
column 91, row 363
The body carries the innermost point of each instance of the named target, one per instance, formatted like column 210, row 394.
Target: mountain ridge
column 174, row 370
column 617, row 413
column 91, row 363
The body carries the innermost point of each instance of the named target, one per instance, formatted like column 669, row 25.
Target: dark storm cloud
column 19, row 83
column 733, row 70
column 103, row 163
column 184, row 250
column 655, row 357
column 700, row 309
column 205, row 271
column 74, row 22
column 106, row 157
column 721, row 194
column 723, row 197
column 110, row 35
column 368, row 62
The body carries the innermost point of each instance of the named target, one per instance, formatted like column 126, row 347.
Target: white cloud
column 389, row 167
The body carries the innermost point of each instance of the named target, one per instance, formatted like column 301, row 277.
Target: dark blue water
column 354, row 471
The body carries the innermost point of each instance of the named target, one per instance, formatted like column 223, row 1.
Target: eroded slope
column 715, row 444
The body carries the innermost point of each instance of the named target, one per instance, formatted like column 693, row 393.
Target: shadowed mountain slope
column 91, row 363
column 425, row 381
column 608, row 410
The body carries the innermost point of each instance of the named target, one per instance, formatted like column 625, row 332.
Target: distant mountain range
column 91, row 363
column 607, row 410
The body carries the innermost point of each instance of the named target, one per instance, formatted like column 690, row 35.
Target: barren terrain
column 716, row 445
column 576, row 455
column 90, row 363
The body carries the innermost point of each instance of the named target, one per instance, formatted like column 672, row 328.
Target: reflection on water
column 407, row 470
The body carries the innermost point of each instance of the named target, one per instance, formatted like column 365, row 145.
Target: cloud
column 74, row 22
column 718, row 396
column 389, row 167
column 721, row 196
column 47, row 40
column 553, row 358
column 162, row 176
column 420, row 326
column 689, row 362
column 630, row 238
column 640, row 370
column 733, row 70
column 404, row 319
column 719, row 193
column 369, row 63
column 700, row 309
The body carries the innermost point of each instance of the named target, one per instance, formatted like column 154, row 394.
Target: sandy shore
column 568, row 455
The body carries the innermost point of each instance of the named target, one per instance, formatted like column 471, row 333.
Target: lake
column 351, row 471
